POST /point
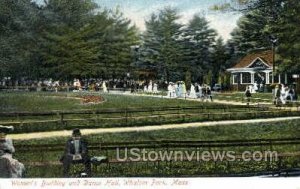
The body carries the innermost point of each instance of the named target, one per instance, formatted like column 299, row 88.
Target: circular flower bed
column 92, row 99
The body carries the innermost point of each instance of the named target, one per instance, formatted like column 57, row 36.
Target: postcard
column 149, row 94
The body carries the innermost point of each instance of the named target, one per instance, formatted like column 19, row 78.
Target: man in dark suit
column 76, row 152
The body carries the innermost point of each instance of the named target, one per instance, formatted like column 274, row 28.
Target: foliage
column 64, row 40
column 174, row 51
column 97, row 46
column 18, row 31
column 199, row 40
column 264, row 20
column 276, row 130
column 287, row 30
column 161, row 50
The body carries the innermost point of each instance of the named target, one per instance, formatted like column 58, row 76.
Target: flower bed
column 92, row 99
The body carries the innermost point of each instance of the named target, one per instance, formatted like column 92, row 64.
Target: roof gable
column 266, row 57
column 258, row 63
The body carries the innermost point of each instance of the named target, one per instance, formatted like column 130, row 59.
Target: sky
column 140, row 10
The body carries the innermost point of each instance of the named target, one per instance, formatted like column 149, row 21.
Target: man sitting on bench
column 76, row 151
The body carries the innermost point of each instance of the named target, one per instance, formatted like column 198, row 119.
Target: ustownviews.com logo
column 137, row 154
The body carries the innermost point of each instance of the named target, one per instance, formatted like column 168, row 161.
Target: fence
column 45, row 162
column 104, row 118
column 59, row 120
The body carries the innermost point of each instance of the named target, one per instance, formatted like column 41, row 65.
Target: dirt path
column 41, row 135
column 199, row 100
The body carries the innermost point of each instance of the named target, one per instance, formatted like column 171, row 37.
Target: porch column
column 252, row 77
column 267, row 77
column 241, row 78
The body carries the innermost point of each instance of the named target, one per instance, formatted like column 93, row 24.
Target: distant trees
column 199, row 42
column 83, row 44
column 63, row 39
column 265, row 19
column 178, row 52
column 18, row 31
column 66, row 39
column 161, row 49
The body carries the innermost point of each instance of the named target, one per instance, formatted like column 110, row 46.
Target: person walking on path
column 248, row 95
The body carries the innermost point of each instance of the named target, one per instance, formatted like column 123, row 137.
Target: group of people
column 283, row 94
column 178, row 90
column 76, row 152
column 255, row 88
column 150, row 87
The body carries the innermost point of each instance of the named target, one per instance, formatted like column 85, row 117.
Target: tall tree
column 161, row 44
column 219, row 59
column 251, row 33
column 199, row 40
column 100, row 47
column 170, row 55
column 73, row 13
column 18, row 21
column 288, row 33
column 149, row 51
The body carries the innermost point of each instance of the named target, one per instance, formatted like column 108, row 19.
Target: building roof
column 266, row 56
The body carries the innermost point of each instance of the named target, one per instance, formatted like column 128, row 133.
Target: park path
column 64, row 133
column 198, row 100
column 226, row 102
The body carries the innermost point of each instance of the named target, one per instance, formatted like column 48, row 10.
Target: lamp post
column 273, row 40
column 135, row 50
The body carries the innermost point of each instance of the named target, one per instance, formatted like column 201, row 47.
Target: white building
column 256, row 68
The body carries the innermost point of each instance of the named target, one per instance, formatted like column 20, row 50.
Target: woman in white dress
column 178, row 89
column 193, row 92
column 170, row 90
column 150, row 87
column 183, row 90
column 251, row 89
column 155, row 90
column 174, row 89
column 145, row 88
column 255, row 88
column 104, row 87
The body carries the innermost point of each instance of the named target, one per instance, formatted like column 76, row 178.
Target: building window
column 270, row 77
column 236, row 78
column 246, row 78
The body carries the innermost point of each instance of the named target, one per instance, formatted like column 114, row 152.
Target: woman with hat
column 9, row 167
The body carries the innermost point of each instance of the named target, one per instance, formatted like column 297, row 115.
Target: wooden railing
column 104, row 118
column 159, row 167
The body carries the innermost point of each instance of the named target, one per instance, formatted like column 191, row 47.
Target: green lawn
column 287, row 129
column 34, row 102
column 124, row 111
column 43, row 102
column 238, row 96
column 49, row 102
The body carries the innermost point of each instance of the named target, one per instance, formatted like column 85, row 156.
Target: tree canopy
column 264, row 22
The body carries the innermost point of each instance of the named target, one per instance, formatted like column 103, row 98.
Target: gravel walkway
column 42, row 135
